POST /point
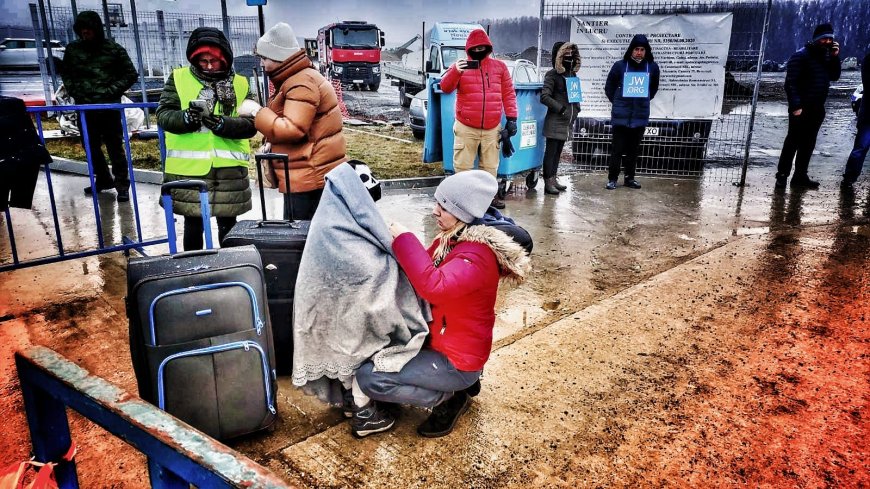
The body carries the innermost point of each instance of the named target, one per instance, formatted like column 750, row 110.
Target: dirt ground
column 651, row 349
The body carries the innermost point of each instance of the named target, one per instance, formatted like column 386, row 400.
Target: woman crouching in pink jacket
column 458, row 275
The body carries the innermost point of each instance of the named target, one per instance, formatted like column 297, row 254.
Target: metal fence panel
column 686, row 147
column 163, row 35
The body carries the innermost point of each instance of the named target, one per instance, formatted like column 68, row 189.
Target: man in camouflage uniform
column 97, row 70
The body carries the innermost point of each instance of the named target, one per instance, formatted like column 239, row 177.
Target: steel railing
column 137, row 243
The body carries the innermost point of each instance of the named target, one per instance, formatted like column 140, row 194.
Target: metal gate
column 678, row 147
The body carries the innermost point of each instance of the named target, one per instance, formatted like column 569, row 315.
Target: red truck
column 350, row 51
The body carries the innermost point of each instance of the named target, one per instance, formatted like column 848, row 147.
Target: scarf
column 217, row 87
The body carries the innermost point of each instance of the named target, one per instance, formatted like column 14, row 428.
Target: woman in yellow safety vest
column 205, row 137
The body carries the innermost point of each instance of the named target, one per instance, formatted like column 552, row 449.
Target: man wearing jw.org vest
column 205, row 137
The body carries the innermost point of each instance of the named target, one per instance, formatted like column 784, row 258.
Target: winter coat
column 808, row 77
column 864, row 111
column 229, row 188
column 22, row 154
column 352, row 302
column 482, row 93
column 631, row 111
column 560, row 112
column 462, row 288
column 303, row 120
column 97, row 71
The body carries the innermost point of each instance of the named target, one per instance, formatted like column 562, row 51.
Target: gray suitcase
column 200, row 336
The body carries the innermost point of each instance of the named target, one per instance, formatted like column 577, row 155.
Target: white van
column 21, row 52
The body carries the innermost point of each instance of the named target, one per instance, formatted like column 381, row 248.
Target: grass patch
column 387, row 158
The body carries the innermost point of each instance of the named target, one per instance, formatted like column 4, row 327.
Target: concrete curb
column 81, row 168
column 155, row 177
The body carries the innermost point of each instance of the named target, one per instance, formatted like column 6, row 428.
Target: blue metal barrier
column 128, row 243
column 178, row 455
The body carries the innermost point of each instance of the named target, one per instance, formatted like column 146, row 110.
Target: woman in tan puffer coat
column 302, row 119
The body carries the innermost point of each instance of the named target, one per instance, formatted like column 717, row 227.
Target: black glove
column 507, row 147
column 192, row 117
column 213, row 122
column 563, row 110
column 511, row 126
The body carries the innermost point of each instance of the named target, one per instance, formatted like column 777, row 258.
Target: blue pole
column 132, row 175
column 50, row 190
column 94, row 189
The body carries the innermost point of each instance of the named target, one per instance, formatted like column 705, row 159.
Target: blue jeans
column 858, row 154
column 426, row 381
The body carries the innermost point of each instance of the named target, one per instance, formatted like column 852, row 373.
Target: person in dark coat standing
column 97, row 70
column 22, row 155
column 560, row 112
column 808, row 77
column 632, row 82
column 206, row 139
column 862, row 138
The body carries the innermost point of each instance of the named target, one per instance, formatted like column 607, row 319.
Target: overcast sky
column 399, row 19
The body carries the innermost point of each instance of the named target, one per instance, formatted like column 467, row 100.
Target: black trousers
column 800, row 142
column 193, row 231
column 552, row 154
column 624, row 151
column 304, row 204
column 104, row 127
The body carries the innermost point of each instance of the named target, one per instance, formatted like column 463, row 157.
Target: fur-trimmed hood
column 513, row 261
column 568, row 47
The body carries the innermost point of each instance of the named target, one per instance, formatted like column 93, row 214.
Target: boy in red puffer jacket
column 484, row 93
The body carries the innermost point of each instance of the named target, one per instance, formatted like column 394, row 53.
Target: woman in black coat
column 560, row 112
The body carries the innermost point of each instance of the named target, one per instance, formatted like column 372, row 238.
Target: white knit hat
column 467, row 195
column 278, row 43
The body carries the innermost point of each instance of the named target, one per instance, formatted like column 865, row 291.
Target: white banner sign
column 690, row 49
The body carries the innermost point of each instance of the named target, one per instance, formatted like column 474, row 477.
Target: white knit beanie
column 278, row 43
column 467, row 195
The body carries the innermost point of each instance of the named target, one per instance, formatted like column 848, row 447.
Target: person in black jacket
column 862, row 137
column 97, row 70
column 560, row 112
column 22, row 154
column 809, row 74
column 630, row 113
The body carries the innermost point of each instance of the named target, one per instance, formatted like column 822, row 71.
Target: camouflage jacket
column 97, row 72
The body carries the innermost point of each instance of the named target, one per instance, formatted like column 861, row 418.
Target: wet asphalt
column 616, row 276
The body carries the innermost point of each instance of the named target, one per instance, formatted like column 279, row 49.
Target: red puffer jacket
column 482, row 92
column 462, row 289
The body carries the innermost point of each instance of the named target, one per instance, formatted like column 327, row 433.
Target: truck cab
column 350, row 51
column 447, row 44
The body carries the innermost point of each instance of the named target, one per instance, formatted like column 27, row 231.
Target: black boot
column 559, row 186
column 550, row 186
column 444, row 416
column 474, row 389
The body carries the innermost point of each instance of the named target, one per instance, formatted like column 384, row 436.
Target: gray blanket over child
column 352, row 301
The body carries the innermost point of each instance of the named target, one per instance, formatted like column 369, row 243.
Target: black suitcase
column 280, row 244
column 200, row 338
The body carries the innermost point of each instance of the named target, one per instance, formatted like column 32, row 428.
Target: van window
column 433, row 57
column 451, row 54
column 28, row 44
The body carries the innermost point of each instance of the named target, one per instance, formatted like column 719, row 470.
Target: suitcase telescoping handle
column 166, row 197
column 273, row 156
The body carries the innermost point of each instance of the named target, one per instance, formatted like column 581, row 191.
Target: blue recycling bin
column 528, row 141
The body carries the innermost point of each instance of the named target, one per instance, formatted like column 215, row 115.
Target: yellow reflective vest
column 194, row 154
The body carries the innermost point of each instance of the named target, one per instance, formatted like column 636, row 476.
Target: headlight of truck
column 376, row 70
column 338, row 69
